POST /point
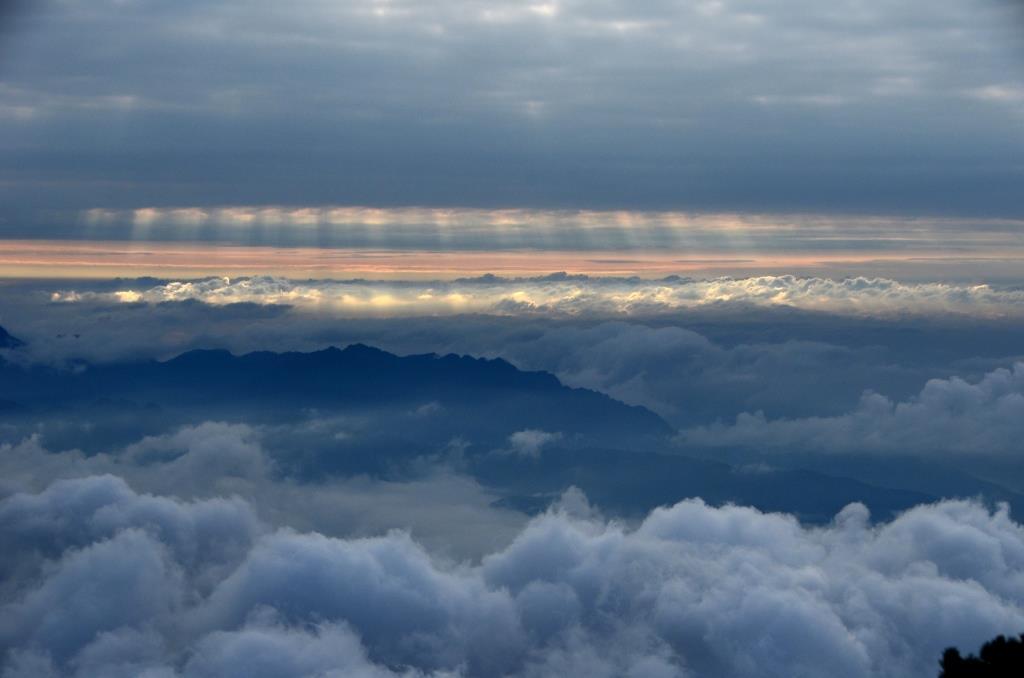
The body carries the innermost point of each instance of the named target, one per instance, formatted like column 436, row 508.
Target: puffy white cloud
column 216, row 459
column 266, row 649
column 692, row 590
column 124, row 581
column 405, row 608
column 530, row 442
column 953, row 415
column 226, row 456
column 74, row 513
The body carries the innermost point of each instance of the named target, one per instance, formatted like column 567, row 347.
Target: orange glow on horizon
column 107, row 259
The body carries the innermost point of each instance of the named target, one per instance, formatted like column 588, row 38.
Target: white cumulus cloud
column 126, row 585
column 985, row 417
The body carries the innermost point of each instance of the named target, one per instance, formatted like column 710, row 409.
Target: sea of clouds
column 101, row 579
column 189, row 554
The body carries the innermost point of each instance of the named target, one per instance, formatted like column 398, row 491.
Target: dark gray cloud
column 709, row 105
column 692, row 590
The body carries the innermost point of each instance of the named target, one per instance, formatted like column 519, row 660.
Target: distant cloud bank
column 577, row 295
column 948, row 416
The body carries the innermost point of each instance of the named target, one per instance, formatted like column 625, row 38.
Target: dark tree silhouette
column 998, row 658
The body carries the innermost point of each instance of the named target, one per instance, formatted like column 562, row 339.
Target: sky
column 260, row 124
column 462, row 338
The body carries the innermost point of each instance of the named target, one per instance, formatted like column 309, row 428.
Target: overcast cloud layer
column 718, row 104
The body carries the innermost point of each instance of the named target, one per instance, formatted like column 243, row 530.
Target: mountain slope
column 9, row 341
column 489, row 399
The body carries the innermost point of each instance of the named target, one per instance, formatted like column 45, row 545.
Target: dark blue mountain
column 9, row 341
column 485, row 399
